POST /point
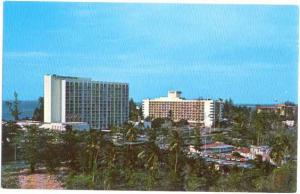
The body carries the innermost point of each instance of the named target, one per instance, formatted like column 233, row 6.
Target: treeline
column 256, row 128
column 94, row 162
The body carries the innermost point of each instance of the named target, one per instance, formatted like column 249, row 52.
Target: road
column 38, row 180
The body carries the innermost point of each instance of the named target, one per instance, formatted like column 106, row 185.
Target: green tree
column 175, row 148
column 93, row 148
column 170, row 115
column 197, row 139
column 228, row 109
column 262, row 124
column 195, row 183
column 241, row 118
column 280, row 148
column 130, row 155
column 131, row 134
column 156, row 123
column 32, row 147
column 152, row 158
column 70, row 143
column 176, row 160
column 13, row 107
column 11, row 139
column 133, row 111
column 78, row 182
column 38, row 114
column 194, row 179
column 181, row 123
column 284, row 179
column 110, row 173
column 280, row 180
column 50, row 149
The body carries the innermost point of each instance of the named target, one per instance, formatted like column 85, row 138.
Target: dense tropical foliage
column 94, row 161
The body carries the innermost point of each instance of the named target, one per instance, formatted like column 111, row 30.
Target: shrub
column 79, row 182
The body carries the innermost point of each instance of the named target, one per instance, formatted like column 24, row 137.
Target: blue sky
column 245, row 52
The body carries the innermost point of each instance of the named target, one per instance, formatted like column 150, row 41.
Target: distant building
column 266, row 108
column 263, row 151
column 202, row 112
column 78, row 126
column 217, row 147
column 289, row 123
column 73, row 99
column 281, row 109
column 245, row 152
column 26, row 123
column 260, row 150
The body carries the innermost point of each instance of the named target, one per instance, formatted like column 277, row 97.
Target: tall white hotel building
column 73, row 99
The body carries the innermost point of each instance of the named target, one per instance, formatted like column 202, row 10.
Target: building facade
column 202, row 112
column 281, row 109
column 73, row 99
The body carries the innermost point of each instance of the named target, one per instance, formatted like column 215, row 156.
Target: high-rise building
column 73, row 99
column 203, row 112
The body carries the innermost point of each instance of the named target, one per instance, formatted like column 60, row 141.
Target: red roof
column 216, row 144
column 243, row 150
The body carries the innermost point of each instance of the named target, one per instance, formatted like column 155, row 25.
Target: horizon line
column 139, row 101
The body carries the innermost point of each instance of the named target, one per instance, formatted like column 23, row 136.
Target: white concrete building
column 79, row 126
column 73, row 99
column 23, row 124
column 203, row 111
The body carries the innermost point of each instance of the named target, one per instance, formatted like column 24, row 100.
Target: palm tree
column 13, row 107
column 131, row 134
column 38, row 114
column 280, row 148
column 152, row 158
column 12, row 136
column 31, row 147
column 175, row 147
column 175, row 160
column 70, row 139
column 110, row 169
column 130, row 154
column 197, row 139
column 94, row 143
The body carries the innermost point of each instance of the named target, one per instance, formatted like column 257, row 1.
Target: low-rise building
column 263, row 151
column 289, row 123
column 217, row 147
column 260, row 150
column 281, row 109
column 80, row 126
column 245, row 152
column 26, row 123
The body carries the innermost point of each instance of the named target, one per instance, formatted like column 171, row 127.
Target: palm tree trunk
column 176, row 160
column 94, row 167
